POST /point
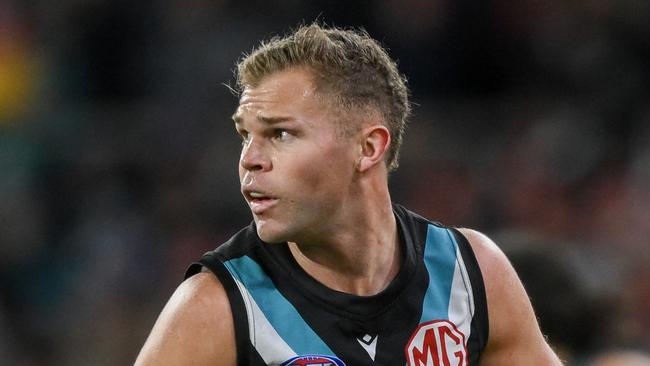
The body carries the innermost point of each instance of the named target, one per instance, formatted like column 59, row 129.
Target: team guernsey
column 433, row 313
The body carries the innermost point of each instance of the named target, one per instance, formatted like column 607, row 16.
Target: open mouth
column 259, row 202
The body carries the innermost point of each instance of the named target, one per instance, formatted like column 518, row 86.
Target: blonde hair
column 348, row 66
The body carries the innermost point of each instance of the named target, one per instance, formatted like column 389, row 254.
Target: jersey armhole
column 480, row 321
column 238, row 309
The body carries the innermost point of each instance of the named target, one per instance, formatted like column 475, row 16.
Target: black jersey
column 433, row 312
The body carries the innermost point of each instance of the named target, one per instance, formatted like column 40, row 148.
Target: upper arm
column 514, row 337
column 194, row 328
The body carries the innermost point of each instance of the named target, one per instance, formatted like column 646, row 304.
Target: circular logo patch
column 313, row 360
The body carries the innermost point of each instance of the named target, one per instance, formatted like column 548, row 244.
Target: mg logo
column 436, row 343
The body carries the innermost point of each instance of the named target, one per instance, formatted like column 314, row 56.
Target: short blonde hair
column 347, row 65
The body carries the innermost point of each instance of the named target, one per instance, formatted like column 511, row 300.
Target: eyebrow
column 266, row 120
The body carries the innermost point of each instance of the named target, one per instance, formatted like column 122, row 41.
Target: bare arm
column 194, row 328
column 515, row 337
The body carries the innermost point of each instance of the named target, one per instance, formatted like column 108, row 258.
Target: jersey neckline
column 355, row 306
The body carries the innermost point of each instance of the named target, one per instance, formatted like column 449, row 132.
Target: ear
column 374, row 143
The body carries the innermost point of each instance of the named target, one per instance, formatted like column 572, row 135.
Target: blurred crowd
column 118, row 157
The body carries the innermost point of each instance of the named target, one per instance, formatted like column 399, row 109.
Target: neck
column 362, row 254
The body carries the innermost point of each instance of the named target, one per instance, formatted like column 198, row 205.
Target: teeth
column 257, row 195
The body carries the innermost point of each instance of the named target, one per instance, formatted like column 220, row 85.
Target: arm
column 194, row 328
column 515, row 337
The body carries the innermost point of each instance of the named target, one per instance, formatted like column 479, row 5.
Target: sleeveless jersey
column 433, row 313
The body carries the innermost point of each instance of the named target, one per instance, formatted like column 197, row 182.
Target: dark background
column 118, row 157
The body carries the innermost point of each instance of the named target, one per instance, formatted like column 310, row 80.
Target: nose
column 254, row 157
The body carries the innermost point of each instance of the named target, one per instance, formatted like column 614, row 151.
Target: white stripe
column 268, row 343
column 461, row 299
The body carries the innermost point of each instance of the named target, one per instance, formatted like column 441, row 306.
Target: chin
column 280, row 230
column 270, row 234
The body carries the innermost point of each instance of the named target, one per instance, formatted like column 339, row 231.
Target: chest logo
column 313, row 360
column 369, row 343
column 436, row 343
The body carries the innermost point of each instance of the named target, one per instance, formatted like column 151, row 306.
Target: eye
column 243, row 134
column 281, row 134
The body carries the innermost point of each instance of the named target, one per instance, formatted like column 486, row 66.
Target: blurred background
column 118, row 157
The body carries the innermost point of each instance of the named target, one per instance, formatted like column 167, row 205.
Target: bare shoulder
column 194, row 328
column 514, row 335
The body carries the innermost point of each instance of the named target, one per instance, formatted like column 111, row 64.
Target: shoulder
column 498, row 274
column 514, row 335
column 195, row 327
column 493, row 262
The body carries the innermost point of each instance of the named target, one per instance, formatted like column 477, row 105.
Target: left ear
column 374, row 142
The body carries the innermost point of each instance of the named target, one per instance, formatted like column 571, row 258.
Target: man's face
column 295, row 171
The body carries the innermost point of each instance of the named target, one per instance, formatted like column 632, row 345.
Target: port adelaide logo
column 436, row 343
column 313, row 360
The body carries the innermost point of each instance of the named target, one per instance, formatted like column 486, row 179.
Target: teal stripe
column 281, row 314
column 440, row 261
